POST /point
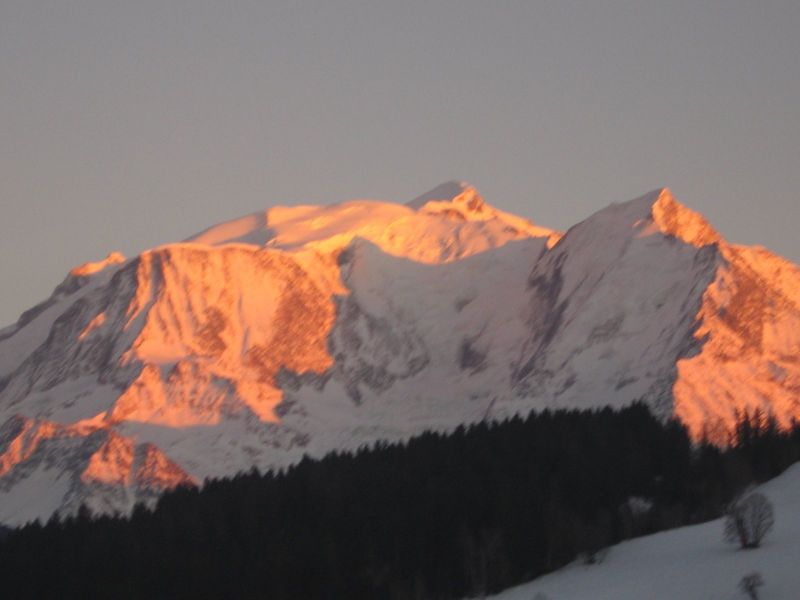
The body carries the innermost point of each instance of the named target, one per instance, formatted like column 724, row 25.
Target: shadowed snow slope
column 692, row 563
column 307, row 329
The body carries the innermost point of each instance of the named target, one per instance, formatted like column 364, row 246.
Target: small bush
column 748, row 519
column 749, row 584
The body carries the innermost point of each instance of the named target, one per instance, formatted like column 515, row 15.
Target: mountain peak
column 460, row 202
column 90, row 268
column 455, row 192
column 659, row 212
column 673, row 218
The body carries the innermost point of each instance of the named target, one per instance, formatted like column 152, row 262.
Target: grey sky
column 124, row 125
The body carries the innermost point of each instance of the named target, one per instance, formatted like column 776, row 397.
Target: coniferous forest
column 442, row 516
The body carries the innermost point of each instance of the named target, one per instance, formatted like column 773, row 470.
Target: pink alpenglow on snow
column 301, row 330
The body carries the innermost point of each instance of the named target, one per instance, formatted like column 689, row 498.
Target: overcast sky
column 124, row 125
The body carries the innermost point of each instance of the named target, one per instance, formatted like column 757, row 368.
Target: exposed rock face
column 46, row 466
column 748, row 338
column 307, row 329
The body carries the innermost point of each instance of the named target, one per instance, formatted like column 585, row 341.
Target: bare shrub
column 748, row 519
column 749, row 584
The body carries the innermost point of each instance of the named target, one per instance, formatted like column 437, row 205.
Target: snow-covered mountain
column 306, row 329
column 692, row 563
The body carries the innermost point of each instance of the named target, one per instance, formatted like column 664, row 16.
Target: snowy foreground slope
column 691, row 563
column 307, row 329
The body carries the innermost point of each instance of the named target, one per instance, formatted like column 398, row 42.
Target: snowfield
column 687, row 563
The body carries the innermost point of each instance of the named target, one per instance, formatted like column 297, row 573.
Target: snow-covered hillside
column 691, row 563
column 307, row 329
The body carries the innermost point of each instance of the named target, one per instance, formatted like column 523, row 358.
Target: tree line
column 441, row 516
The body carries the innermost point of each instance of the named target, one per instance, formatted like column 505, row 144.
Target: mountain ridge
column 308, row 329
